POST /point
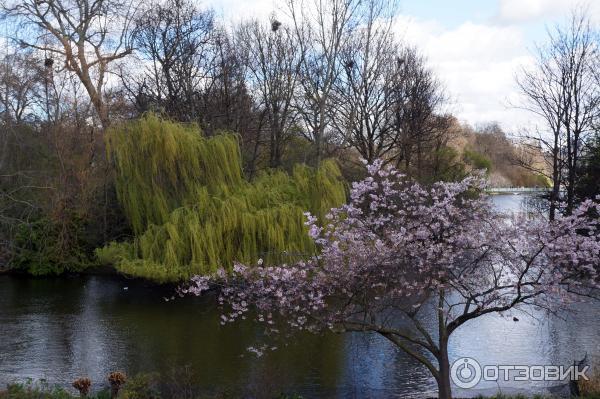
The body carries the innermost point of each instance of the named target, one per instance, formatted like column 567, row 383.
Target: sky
column 476, row 47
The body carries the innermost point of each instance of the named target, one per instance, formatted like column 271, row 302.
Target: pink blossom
column 398, row 247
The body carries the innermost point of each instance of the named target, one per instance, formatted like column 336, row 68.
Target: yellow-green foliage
column 192, row 210
column 161, row 165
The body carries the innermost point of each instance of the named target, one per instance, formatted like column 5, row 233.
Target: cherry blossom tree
column 399, row 250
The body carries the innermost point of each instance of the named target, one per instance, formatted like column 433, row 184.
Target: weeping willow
column 192, row 211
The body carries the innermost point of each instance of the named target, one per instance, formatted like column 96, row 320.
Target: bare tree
column 322, row 27
column 86, row 35
column 562, row 89
column 228, row 101
column 361, row 107
column 30, row 94
column 579, row 49
column 415, row 97
column 174, row 40
column 20, row 80
column 273, row 58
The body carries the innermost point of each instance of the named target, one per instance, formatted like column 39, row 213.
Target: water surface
column 63, row 328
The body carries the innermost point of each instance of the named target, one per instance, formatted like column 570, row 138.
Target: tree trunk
column 104, row 118
column 443, row 377
column 443, row 380
column 554, row 198
column 317, row 149
column 555, row 193
column 407, row 159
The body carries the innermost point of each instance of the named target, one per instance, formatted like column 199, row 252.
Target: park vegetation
column 129, row 130
column 157, row 139
column 245, row 127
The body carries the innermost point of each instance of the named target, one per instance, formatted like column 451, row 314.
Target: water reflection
column 60, row 329
column 534, row 205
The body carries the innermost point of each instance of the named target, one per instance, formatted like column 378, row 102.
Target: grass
column 43, row 390
column 146, row 386
column 591, row 387
column 143, row 386
column 500, row 396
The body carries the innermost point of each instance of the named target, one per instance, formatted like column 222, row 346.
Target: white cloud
column 236, row 10
column 520, row 11
column 516, row 11
column 476, row 63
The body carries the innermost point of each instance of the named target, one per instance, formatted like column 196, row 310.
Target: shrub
column 45, row 247
column 477, row 160
column 141, row 386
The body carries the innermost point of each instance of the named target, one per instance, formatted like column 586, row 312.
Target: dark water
column 60, row 329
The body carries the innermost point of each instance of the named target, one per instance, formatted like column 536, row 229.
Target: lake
column 63, row 328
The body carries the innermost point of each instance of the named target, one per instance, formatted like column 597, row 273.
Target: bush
column 57, row 198
column 477, row 160
column 591, row 387
column 42, row 390
column 45, row 247
column 446, row 166
column 141, row 386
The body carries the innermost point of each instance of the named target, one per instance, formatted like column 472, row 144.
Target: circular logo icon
column 465, row 372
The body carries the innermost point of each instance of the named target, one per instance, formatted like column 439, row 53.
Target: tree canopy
column 192, row 210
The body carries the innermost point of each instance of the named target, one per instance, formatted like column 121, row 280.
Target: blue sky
column 453, row 13
column 475, row 46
